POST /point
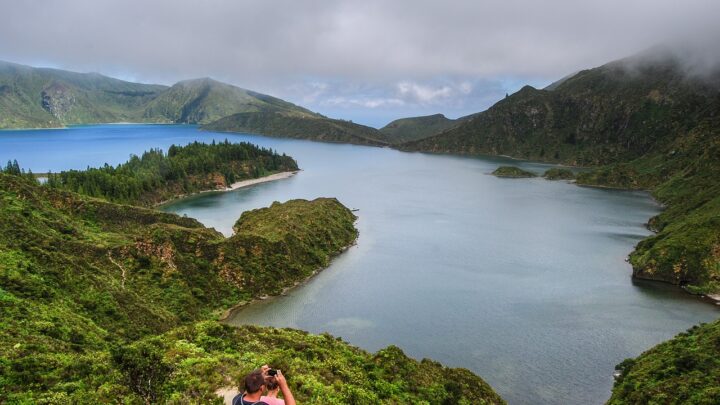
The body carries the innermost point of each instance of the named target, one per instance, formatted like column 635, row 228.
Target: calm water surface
column 522, row 281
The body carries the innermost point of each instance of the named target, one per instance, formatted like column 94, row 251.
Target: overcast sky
column 367, row 60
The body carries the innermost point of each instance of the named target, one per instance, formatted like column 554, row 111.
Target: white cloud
column 424, row 94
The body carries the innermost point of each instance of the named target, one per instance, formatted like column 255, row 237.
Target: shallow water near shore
column 523, row 281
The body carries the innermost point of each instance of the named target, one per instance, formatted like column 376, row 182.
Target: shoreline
column 90, row 124
column 233, row 186
column 242, row 304
column 264, row 179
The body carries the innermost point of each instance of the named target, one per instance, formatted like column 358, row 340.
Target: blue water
column 523, row 281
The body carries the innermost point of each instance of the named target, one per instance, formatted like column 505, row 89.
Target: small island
column 559, row 173
column 512, row 172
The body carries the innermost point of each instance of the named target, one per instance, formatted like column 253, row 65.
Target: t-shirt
column 239, row 400
column 272, row 400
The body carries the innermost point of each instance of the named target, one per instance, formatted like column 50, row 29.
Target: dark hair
column 254, row 382
column 271, row 383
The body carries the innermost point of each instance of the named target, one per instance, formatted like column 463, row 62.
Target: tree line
column 155, row 176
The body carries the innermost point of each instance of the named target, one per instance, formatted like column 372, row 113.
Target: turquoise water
column 523, row 281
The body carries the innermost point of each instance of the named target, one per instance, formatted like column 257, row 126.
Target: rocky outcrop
column 57, row 99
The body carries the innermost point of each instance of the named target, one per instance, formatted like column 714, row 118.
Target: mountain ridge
column 47, row 98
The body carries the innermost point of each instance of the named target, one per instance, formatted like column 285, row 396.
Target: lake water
column 523, row 281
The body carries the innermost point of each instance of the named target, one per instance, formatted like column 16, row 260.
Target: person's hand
column 281, row 379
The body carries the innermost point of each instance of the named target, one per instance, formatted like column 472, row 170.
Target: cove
column 523, row 281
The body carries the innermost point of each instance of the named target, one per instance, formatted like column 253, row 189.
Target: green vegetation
column 50, row 98
column 686, row 248
column 559, row 173
column 155, row 177
column 512, row 172
column 416, row 128
column 282, row 124
column 102, row 302
column 45, row 98
column 196, row 360
column 683, row 370
column 201, row 101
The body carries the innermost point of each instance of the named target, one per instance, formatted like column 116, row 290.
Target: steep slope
column 205, row 100
column 416, row 128
column 653, row 127
column 617, row 112
column 289, row 125
column 38, row 97
column 683, row 370
column 99, row 301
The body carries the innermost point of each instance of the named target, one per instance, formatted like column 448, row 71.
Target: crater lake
column 522, row 281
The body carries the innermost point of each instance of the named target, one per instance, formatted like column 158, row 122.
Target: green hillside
column 287, row 125
column 416, row 128
column 47, row 98
column 202, row 101
column 683, row 370
column 38, row 97
column 614, row 113
column 644, row 124
column 100, row 301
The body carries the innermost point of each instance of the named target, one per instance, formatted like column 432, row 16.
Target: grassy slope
column 416, row 128
column 294, row 126
column 38, row 97
column 683, row 370
column 28, row 95
column 615, row 113
column 87, row 286
column 202, row 101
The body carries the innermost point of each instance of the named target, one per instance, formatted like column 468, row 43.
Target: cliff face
column 57, row 100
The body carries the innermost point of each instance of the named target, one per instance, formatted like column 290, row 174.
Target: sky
column 370, row 61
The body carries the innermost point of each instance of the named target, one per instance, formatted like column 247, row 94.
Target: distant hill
column 416, row 128
column 205, row 100
column 612, row 113
column 39, row 97
column 47, row 98
column 292, row 125
column 51, row 98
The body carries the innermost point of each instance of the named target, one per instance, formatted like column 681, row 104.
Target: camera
column 272, row 372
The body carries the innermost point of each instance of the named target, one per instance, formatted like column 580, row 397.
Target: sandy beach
column 272, row 177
